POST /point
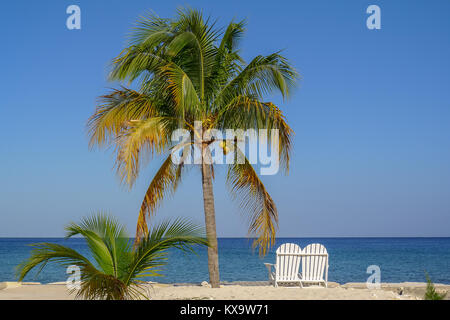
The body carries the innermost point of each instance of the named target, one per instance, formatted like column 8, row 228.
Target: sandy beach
column 236, row 291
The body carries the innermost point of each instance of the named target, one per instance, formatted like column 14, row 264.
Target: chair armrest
column 269, row 266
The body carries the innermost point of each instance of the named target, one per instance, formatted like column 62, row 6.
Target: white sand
column 350, row 291
column 231, row 292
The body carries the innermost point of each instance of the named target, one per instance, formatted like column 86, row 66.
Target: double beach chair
column 313, row 260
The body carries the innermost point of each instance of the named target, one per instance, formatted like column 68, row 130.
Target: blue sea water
column 400, row 259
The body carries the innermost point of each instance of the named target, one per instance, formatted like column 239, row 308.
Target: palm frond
column 146, row 52
column 151, row 252
column 43, row 253
column 151, row 29
column 142, row 139
column 107, row 240
column 232, row 36
column 114, row 112
column 183, row 91
column 263, row 75
column 203, row 36
column 165, row 182
column 246, row 186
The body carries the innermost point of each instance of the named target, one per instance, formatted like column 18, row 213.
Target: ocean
column 399, row 259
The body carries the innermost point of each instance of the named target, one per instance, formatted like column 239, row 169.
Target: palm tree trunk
column 210, row 220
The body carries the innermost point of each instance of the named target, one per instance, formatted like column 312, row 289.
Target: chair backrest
column 315, row 260
column 288, row 262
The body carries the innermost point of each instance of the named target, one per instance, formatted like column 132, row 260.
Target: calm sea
column 400, row 259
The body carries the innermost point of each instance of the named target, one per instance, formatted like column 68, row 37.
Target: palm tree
column 118, row 268
column 186, row 70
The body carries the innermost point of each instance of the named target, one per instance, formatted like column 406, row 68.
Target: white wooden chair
column 314, row 264
column 287, row 265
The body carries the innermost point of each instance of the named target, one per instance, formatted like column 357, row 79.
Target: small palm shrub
column 431, row 293
column 118, row 268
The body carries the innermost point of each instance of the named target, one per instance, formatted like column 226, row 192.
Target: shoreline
column 239, row 290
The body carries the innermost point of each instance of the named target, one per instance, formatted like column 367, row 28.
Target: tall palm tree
column 186, row 70
column 118, row 268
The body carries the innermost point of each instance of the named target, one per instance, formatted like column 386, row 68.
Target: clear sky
column 372, row 117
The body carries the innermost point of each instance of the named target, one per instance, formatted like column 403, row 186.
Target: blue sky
column 372, row 117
